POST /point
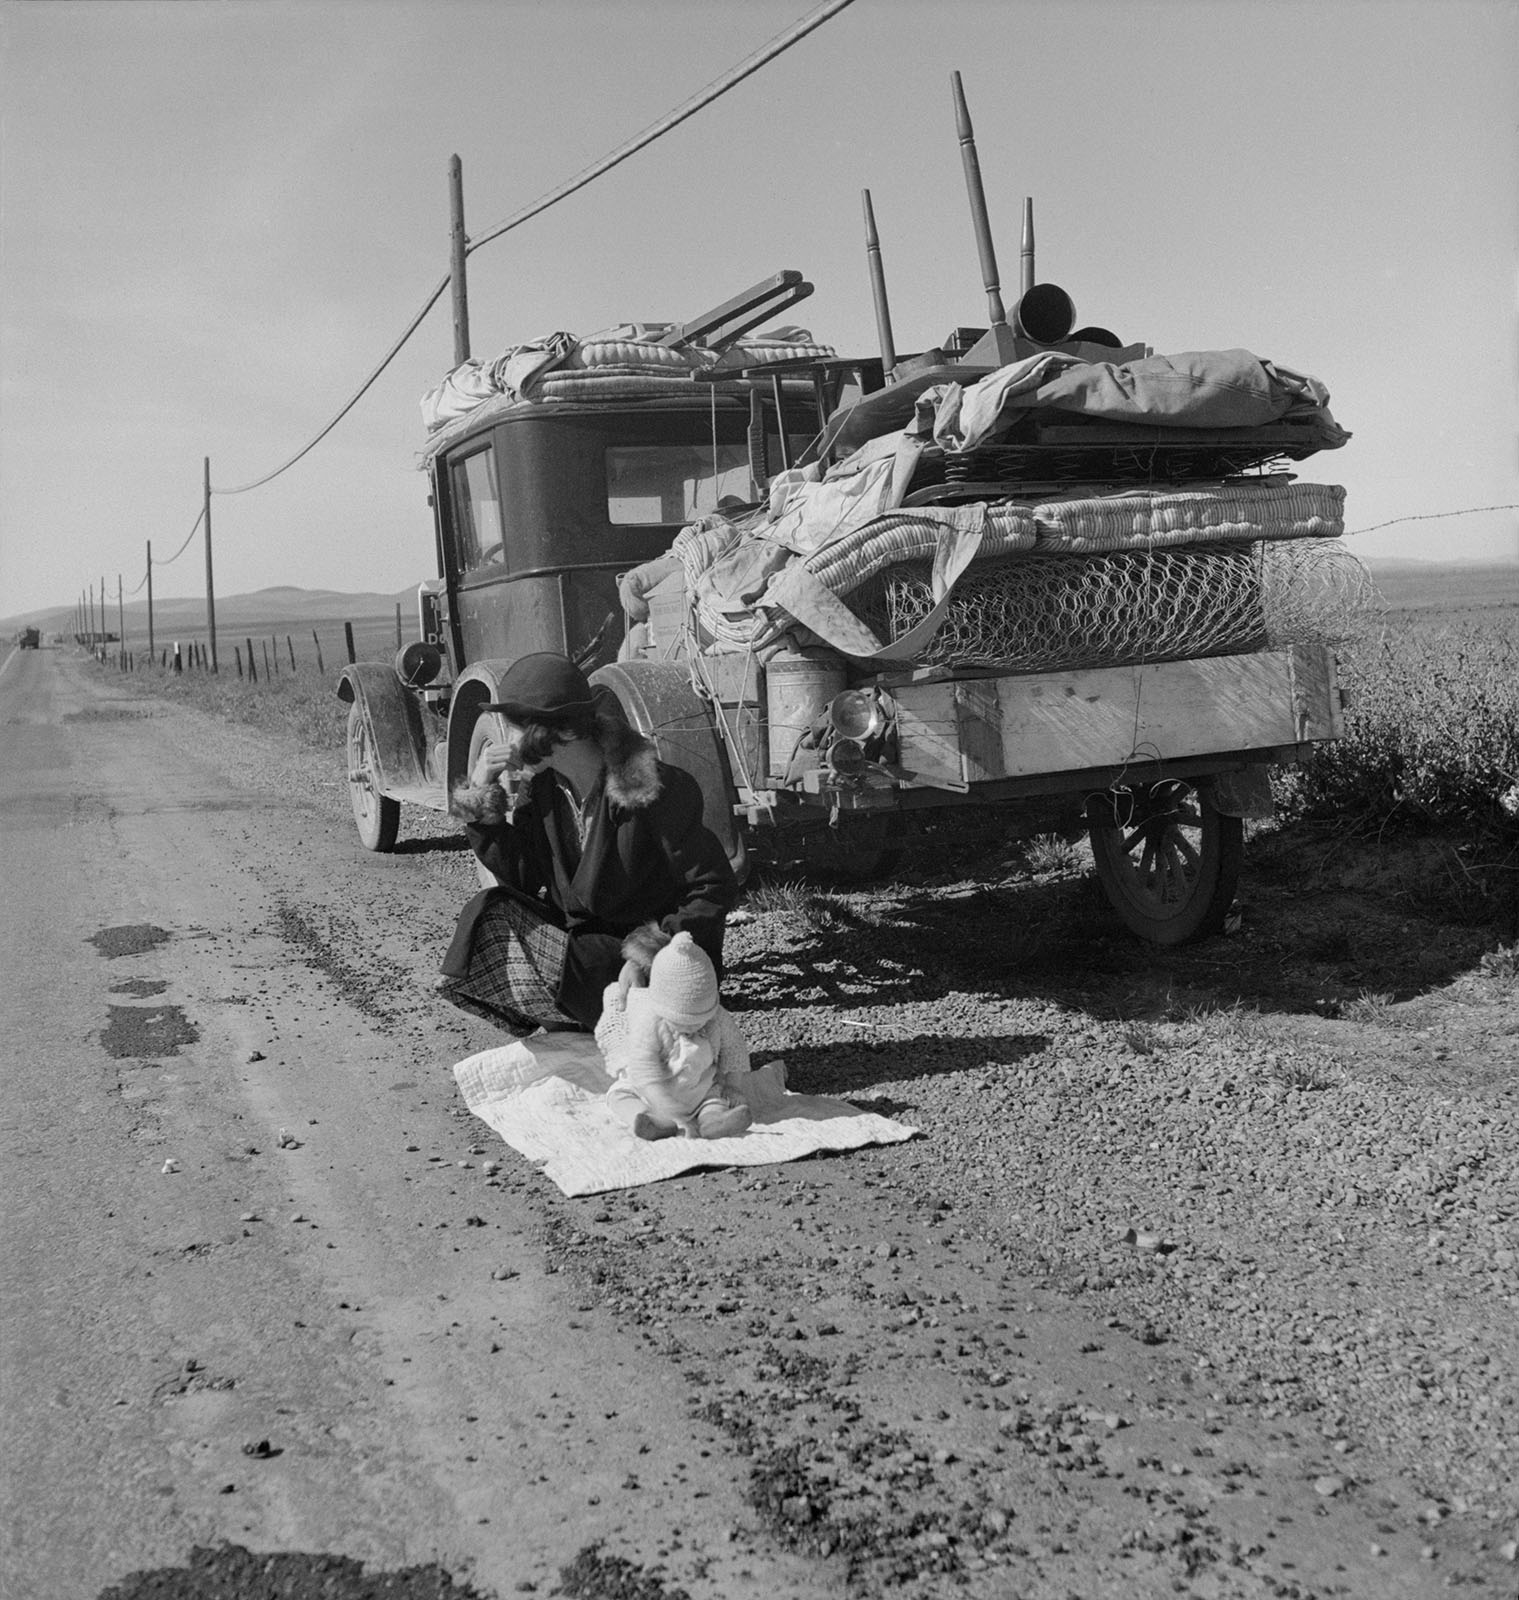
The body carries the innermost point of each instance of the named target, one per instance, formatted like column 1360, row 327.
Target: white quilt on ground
column 545, row 1095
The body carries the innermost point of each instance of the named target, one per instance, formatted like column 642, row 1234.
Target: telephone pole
column 210, row 587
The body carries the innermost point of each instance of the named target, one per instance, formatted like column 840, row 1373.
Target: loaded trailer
column 1033, row 568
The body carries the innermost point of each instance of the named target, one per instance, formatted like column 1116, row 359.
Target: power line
column 719, row 86
column 179, row 552
column 351, row 402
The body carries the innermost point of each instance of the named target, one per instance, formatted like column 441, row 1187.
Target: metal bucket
column 797, row 691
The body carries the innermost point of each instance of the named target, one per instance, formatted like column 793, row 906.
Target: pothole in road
column 143, row 1031
column 133, row 939
column 232, row 1572
column 140, row 988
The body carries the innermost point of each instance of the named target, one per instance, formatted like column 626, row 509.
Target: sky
column 216, row 216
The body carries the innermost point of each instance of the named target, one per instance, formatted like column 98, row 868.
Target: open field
column 1431, row 589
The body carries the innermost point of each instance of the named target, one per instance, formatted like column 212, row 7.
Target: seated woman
column 600, row 838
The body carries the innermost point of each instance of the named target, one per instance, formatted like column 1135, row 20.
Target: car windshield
column 674, row 483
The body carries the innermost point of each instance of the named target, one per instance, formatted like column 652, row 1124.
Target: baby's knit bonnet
column 683, row 985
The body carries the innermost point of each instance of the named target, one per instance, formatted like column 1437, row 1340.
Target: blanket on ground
column 546, row 1097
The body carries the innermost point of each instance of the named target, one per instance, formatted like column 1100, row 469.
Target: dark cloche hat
column 543, row 688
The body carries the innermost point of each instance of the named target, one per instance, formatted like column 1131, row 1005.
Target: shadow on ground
column 1324, row 921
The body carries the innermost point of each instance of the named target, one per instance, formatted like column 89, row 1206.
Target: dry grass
column 1431, row 731
column 303, row 705
column 1370, row 1010
column 791, row 897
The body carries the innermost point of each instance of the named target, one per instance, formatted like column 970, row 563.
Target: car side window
column 479, row 539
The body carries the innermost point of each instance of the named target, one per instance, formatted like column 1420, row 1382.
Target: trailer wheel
column 377, row 816
column 1167, row 858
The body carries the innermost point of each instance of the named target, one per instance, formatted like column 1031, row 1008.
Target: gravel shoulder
column 1199, row 1279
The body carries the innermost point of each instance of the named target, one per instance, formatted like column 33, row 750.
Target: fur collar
column 632, row 782
column 632, row 764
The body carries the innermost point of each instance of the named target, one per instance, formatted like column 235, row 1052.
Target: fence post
column 348, row 635
column 290, row 646
column 398, row 624
column 252, row 669
column 265, row 648
column 179, row 665
column 275, row 642
column 236, row 651
column 318, row 643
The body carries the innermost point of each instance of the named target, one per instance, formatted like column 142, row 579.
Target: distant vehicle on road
column 29, row 639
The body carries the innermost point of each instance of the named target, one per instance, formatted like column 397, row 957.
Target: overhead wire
column 179, row 552
column 718, row 87
column 704, row 97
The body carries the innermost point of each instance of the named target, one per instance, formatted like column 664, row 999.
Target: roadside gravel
column 1189, row 1238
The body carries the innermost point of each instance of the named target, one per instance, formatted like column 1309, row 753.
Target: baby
column 672, row 1050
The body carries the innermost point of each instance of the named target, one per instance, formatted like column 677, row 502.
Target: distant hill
column 1403, row 585
column 281, row 604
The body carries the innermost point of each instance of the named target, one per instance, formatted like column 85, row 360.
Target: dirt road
column 264, row 1288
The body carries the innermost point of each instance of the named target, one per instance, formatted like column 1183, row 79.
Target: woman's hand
column 496, row 757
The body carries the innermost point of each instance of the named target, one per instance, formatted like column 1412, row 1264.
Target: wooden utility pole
column 210, row 586
column 121, row 621
column 458, row 248
column 1026, row 247
column 150, row 600
column 977, row 197
column 878, row 289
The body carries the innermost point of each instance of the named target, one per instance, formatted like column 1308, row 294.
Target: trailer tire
column 1167, row 858
column 377, row 816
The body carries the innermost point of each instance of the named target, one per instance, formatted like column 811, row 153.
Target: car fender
column 395, row 723
column 658, row 700
column 478, row 684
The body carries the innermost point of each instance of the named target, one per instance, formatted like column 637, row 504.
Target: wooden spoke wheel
column 1167, row 858
column 376, row 815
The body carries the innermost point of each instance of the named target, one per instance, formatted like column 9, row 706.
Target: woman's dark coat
column 648, row 857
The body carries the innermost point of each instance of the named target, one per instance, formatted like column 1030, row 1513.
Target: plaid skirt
column 516, row 962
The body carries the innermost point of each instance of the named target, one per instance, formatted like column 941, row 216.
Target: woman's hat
column 543, row 688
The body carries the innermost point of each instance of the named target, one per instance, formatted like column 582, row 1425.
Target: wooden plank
column 929, row 735
column 1316, row 692
column 981, row 730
